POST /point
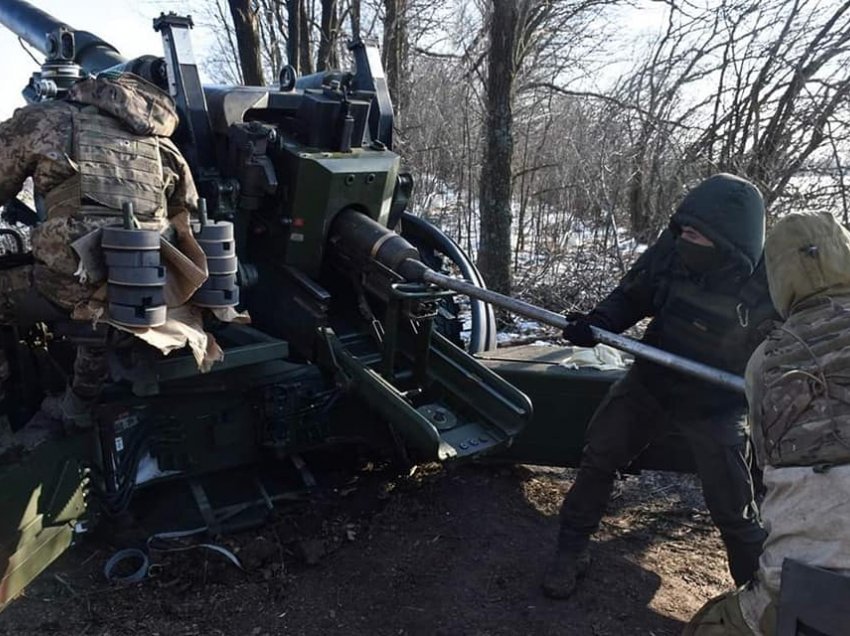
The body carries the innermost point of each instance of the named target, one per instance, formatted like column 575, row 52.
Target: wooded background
column 551, row 136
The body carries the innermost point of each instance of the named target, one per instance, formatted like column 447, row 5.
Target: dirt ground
column 456, row 550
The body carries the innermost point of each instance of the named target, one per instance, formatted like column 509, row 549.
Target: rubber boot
column 564, row 571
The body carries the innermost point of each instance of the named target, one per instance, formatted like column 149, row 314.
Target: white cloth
column 600, row 357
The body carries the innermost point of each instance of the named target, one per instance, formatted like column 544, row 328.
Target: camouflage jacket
column 39, row 142
column 798, row 380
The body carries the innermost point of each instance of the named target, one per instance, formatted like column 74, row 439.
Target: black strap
column 753, row 292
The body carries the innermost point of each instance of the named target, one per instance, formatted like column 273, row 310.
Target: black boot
column 564, row 571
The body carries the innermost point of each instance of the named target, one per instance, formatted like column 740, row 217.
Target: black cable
column 483, row 332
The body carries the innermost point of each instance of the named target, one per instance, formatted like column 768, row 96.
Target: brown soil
column 446, row 551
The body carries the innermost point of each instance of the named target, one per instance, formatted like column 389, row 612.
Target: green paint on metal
column 320, row 185
column 42, row 498
column 565, row 399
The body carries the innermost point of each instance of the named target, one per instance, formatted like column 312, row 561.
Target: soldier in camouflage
column 798, row 383
column 106, row 143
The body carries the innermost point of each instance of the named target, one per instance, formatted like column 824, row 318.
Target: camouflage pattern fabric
column 114, row 166
column 143, row 107
column 90, row 371
column 38, row 142
column 799, row 396
column 13, row 282
column 56, row 262
column 801, row 416
column 804, row 410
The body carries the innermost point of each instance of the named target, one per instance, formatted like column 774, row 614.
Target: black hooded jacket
column 717, row 318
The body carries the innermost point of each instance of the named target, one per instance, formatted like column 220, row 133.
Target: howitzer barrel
column 366, row 239
column 32, row 25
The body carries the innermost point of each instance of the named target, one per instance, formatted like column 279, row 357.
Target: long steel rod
column 697, row 369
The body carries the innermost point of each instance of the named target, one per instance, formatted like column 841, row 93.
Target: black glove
column 578, row 330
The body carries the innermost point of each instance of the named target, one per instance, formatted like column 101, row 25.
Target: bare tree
column 354, row 12
column 494, row 253
column 555, row 172
column 248, row 41
column 295, row 31
column 775, row 90
column 395, row 48
column 532, row 38
column 327, row 57
column 273, row 35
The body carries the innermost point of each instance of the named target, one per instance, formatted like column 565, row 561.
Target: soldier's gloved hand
column 578, row 330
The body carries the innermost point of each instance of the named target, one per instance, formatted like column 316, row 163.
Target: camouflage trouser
column 56, row 260
column 14, row 282
column 90, row 368
column 90, row 371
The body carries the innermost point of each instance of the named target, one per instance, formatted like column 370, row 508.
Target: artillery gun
column 339, row 355
column 344, row 351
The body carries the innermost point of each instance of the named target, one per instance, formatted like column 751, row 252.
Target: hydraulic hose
column 483, row 331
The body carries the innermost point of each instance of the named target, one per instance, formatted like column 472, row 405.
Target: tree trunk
column 327, row 42
column 298, row 37
column 395, row 43
column 494, row 254
column 248, row 41
column 305, row 57
column 293, row 36
column 355, row 19
column 271, row 31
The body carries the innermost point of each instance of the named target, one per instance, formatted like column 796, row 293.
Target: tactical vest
column 804, row 388
column 718, row 328
column 114, row 166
